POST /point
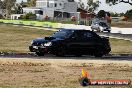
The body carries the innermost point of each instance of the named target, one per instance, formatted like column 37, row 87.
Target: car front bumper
column 39, row 49
column 106, row 29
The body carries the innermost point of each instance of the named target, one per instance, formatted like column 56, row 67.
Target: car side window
column 77, row 35
column 88, row 35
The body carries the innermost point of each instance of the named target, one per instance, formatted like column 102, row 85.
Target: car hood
column 39, row 41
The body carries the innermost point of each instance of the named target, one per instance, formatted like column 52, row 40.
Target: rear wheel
column 93, row 30
column 99, row 52
column 99, row 30
column 40, row 53
column 108, row 31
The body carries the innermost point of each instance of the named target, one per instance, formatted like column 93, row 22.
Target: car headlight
column 101, row 28
column 48, row 44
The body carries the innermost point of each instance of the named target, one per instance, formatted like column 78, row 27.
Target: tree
column 31, row 3
column 23, row 4
column 122, row 14
column 1, row 4
column 18, row 9
column 2, row 7
column 101, row 14
column 8, row 4
column 92, row 6
column 113, row 2
column 81, row 4
column 114, row 14
column 129, row 14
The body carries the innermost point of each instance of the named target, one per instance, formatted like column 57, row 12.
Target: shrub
column 129, row 14
column 29, row 16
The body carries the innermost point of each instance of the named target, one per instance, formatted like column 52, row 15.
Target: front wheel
column 108, row 31
column 40, row 53
column 99, row 52
column 61, row 52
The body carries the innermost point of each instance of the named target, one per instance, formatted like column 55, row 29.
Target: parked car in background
column 71, row 42
column 100, row 26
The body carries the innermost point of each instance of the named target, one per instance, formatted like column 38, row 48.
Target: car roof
column 84, row 30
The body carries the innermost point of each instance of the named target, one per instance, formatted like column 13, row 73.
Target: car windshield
column 62, row 34
column 103, row 24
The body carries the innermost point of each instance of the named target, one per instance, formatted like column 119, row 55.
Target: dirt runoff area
column 59, row 73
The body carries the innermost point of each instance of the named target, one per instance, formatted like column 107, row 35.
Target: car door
column 75, row 42
column 89, row 42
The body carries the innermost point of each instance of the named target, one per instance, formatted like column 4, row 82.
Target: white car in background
column 100, row 26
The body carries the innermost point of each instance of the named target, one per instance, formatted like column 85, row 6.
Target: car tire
column 99, row 30
column 108, row 31
column 40, row 53
column 92, row 30
column 61, row 52
column 98, row 52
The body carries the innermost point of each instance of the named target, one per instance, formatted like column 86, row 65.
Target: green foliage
column 23, row 4
column 129, row 14
column 117, row 14
column 121, row 14
column 2, row 7
column 81, row 4
column 1, row 4
column 101, row 14
column 113, row 2
column 29, row 16
column 31, row 3
column 114, row 14
column 1, row 17
column 8, row 4
column 92, row 6
column 18, row 9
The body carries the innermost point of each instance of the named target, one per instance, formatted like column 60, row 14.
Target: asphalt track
column 113, row 57
column 116, row 35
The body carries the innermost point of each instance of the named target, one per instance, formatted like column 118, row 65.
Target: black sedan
column 71, row 42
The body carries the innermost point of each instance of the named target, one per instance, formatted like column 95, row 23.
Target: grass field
column 59, row 73
column 122, row 24
column 17, row 39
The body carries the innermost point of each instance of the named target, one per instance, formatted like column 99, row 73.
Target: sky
column 119, row 8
